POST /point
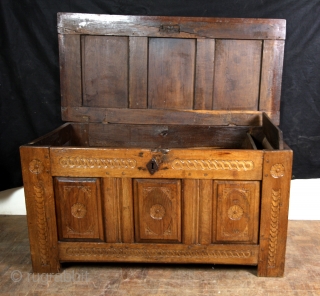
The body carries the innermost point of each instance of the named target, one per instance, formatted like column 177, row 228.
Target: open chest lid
column 170, row 70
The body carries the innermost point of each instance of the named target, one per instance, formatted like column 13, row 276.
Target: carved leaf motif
column 41, row 223
column 273, row 233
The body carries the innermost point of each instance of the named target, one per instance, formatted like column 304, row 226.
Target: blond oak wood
column 277, row 171
column 42, row 226
column 157, row 205
column 118, row 210
column 159, row 253
column 111, row 210
column 174, row 163
column 197, row 211
column 190, row 210
column 127, row 210
column 205, row 211
column 78, row 209
column 237, row 211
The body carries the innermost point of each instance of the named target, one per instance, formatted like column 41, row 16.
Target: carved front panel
column 237, row 206
column 157, row 210
column 79, row 212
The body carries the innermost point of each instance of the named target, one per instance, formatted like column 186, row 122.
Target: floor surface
column 302, row 273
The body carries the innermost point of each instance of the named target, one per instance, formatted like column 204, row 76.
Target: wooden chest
column 171, row 152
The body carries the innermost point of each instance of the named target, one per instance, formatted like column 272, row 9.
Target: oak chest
column 171, row 151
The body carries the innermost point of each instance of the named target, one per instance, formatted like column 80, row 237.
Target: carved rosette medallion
column 212, row 164
column 235, row 212
column 277, row 170
column 78, row 210
column 157, row 212
column 36, row 166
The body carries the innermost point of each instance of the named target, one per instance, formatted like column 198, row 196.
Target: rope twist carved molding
column 156, row 253
column 274, row 227
column 41, row 223
column 106, row 163
column 212, row 164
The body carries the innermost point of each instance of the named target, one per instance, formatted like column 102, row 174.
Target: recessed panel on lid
column 237, row 74
column 171, row 73
column 105, row 71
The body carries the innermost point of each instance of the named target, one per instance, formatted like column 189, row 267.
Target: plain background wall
column 304, row 200
column 30, row 102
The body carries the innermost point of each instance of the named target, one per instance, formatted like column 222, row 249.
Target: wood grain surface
column 172, row 152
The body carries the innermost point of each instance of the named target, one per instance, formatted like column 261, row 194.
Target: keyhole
column 152, row 166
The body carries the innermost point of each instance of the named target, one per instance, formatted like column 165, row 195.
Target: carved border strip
column 41, row 223
column 156, row 253
column 212, row 164
column 107, row 163
column 274, row 227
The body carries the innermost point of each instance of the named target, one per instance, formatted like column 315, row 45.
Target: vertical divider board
column 198, row 213
column 118, row 210
column 169, row 63
column 70, row 70
column 138, row 72
column 204, row 74
column 271, row 74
